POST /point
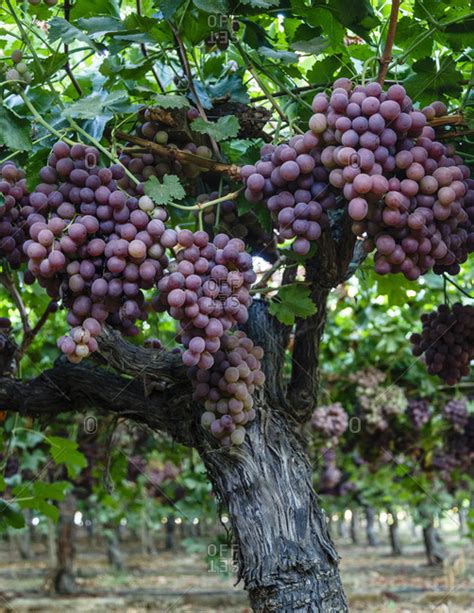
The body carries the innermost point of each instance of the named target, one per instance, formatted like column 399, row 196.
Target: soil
column 186, row 579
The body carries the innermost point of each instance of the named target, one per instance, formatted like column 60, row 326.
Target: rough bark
column 434, row 548
column 114, row 555
column 64, row 577
column 354, row 529
column 394, row 535
column 287, row 560
column 170, row 533
column 372, row 538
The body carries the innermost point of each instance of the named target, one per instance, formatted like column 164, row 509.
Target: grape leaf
column 9, row 516
column 100, row 25
column 261, row 4
column 314, row 45
column 224, row 128
column 64, row 451
column 168, row 7
column 431, row 82
column 60, row 29
column 15, row 132
column 92, row 106
column 92, row 8
column 166, row 192
column 287, row 57
column 212, row 6
column 171, row 102
column 291, row 302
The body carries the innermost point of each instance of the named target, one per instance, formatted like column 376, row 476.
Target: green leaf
column 168, row 7
column 47, row 509
column 224, row 128
column 291, row 302
column 9, row 516
column 92, row 106
column 92, row 8
column 313, row 46
column 432, row 82
column 168, row 101
column 261, row 4
column 51, row 491
column 33, row 166
column 407, row 37
column 15, row 132
column 212, row 6
column 64, row 451
column 394, row 287
column 287, row 57
column 60, row 29
column 100, row 25
column 166, row 192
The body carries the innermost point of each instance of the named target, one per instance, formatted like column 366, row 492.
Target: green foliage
column 291, row 302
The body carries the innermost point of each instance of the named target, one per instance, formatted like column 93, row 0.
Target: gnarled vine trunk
column 372, row 538
column 435, row 550
column 394, row 534
column 287, row 559
column 64, row 581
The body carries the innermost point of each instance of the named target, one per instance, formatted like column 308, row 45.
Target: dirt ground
column 184, row 580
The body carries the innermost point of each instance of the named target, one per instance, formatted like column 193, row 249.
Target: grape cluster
column 378, row 401
column 20, row 71
column 330, row 476
column 418, row 412
column 447, row 341
column 206, row 290
column 150, row 164
column 293, row 183
column 409, row 196
column 92, row 245
column 455, row 411
column 225, row 217
column 330, row 421
column 13, row 230
column 227, row 387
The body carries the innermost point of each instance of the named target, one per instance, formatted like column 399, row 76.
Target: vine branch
column 387, row 52
column 178, row 154
column 67, row 65
column 144, row 51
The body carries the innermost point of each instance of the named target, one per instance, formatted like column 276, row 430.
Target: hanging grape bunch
column 150, row 164
column 206, row 290
column 418, row 412
column 224, row 217
column 20, row 71
column 330, row 421
column 226, row 388
column 330, row 476
column 92, row 246
column 408, row 195
column 13, row 204
column 378, row 401
column 455, row 411
column 446, row 341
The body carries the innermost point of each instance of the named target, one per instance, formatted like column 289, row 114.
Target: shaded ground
column 182, row 580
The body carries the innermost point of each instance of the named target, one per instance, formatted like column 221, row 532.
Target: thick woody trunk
column 354, row 529
column 394, row 534
column 372, row 539
column 434, row 548
column 286, row 558
column 64, row 576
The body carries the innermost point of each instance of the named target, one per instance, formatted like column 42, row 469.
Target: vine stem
column 269, row 273
column 268, row 290
column 458, row 287
column 144, row 51
column 67, row 65
column 387, row 52
column 204, row 205
column 11, row 288
column 187, row 71
column 179, row 154
column 43, row 122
